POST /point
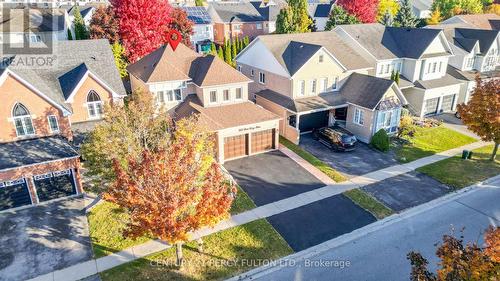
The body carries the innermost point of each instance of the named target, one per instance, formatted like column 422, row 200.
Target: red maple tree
column 175, row 191
column 364, row 10
column 181, row 23
column 144, row 25
column 104, row 24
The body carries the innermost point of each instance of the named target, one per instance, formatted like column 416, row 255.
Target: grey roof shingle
column 485, row 37
column 297, row 54
column 41, row 20
column 242, row 11
column 391, row 42
column 365, row 90
column 444, row 81
column 321, row 101
column 270, row 10
column 56, row 80
column 68, row 79
column 323, row 10
column 347, row 56
column 33, row 151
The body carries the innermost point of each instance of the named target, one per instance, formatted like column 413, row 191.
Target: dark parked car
column 336, row 138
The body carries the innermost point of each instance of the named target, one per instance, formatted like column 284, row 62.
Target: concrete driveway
column 406, row 190
column 361, row 161
column 271, row 176
column 42, row 239
column 320, row 221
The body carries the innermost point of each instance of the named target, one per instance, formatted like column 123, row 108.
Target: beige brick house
column 43, row 109
column 314, row 80
column 187, row 83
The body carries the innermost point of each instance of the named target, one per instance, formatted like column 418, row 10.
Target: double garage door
column 431, row 105
column 48, row 186
column 246, row 144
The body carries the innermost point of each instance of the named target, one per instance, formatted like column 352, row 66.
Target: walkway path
column 91, row 267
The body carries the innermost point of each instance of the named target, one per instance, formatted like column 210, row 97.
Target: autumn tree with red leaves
column 459, row 261
column 364, row 10
column 482, row 113
column 175, row 191
column 104, row 24
column 181, row 23
column 144, row 25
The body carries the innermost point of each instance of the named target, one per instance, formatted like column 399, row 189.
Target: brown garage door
column 235, row 146
column 262, row 141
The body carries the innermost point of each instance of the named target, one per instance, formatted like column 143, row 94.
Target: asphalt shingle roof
column 41, row 20
column 444, row 81
column 321, row 101
column 33, row 151
column 242, row 11
column 365, row 90
column 270, row 10
column 485, row 37
column 70, row 56
column 297, row 54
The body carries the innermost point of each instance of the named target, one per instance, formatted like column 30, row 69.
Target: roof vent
column 93, row 58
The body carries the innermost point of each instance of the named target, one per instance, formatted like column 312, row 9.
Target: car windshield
column 347, row 138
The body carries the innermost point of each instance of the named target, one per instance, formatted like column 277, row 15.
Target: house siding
column 362, row 132
column 285, row 130
column 79, row 104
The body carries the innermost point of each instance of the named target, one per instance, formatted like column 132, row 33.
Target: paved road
column 381, row 255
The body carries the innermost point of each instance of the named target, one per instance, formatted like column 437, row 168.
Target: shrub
column 380, row 140
column 406, row 126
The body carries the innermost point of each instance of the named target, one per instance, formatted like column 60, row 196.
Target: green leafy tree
column 405, row 16
column 124, row 134
column 70, row 35
column 81, row 32
column 387, row 6
column 339, row 16
column 294, row 18
column 471, row 6
column 449, row 8
column 120, row 59
column 199, row 3
column 387, row 19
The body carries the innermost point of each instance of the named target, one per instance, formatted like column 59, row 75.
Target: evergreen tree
column 70, row 35
column 405, row 16
column 237, row 44
column 227, row 54
column 81, row 32
column 233, row 50
column 220, row 53
column 294, row 18
column 392, row 75
column 246, row 41
column 387, row 19
column 213, row 50
column 435, row 17
column 339, row 16
column 396, row 77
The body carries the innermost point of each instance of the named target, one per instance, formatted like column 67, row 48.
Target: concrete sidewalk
column 94, row 266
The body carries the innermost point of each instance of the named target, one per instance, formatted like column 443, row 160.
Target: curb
column 348, row 237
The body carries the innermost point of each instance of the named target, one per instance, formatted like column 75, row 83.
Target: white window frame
column 258, row 26
column 335, row 84
column 210, row 96
column 50, row 126
column 240, row 90
column 34, row 38
column 302, row 88
column 224, row 95
column 22, row 119
column 262, row 78
column 314, row 86
column 95, row 105
column 359, row 117
column 323, row 84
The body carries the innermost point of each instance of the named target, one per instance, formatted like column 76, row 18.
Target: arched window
column 94, row 105
column 22, row 121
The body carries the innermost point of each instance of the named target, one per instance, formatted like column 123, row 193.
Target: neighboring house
column 86, row 11
column 319, row 11
column 203, row 30
column 476, row 52
column 420, row 55
column 269, row 11
column 187, row 83
column 49, row 3
column 44, row 25
column 312, row 80
column 422, row 8
column 481, row 21
column 43, row 110
column 235, row 19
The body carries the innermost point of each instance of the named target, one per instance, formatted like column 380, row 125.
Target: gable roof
column 485, row 37
column 482, row 21
column 278, row 44
column 41, row 20
column 464, row 36
column 391, row 42
column 322, row 10
column 72, row 59
column 365, row 90
column 270, row 10
column 321, row 101
column 240, row 11
column 164, row 64
column 84, row 10
column 297, row 54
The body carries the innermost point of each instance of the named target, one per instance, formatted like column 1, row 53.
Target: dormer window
column 22, row 121
column 94, row 105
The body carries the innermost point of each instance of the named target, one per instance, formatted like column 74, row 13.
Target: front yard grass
column 459, row 173
column 225, row 254
column 107, row 222
column 323, row 167
column 367, row 202
column 429, row 141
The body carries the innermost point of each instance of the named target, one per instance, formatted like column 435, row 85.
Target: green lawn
column 429, row 141
column 107, row 222
column 367, row 202
column 323, row 167
column 459, row 173
column 225, row 254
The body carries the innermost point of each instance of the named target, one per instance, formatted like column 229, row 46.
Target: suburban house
column 313, row 80
column 186, row 83
column 203, row 30
column 481, row 21
column 43, row 110
column 49, row 3
column 86, row 11
column 236, row 19
column 44, row 25
column 422, row 63
column 476, row 52
column 269, row 10
column 319, row 11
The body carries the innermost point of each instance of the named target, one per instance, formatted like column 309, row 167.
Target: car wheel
column 457, row 114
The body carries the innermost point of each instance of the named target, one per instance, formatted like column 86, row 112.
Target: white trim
column 31, row 87
column 99, row 81
column 57, row 123
column 321, row 109
column 40, row 163
column 325, row 51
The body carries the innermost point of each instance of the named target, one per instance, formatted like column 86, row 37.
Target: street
column 381, row 255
